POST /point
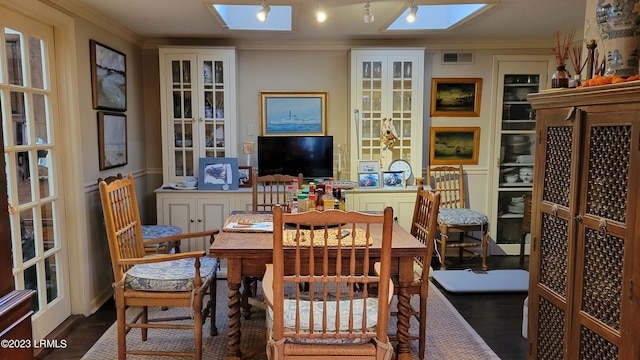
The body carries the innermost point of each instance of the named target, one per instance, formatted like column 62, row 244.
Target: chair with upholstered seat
column 150, row 232
column 172, row 280
column 454, row 217
column 423, row 227
column 341, row 316
column 271, row 190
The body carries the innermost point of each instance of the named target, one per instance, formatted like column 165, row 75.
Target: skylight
column 243, row 17
column 437, row 17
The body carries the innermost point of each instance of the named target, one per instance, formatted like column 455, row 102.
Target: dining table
column 248, row 252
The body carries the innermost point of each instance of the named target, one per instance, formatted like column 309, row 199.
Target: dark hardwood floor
column 495, row 317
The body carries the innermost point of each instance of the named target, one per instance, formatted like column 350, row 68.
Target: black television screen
column 290, row 155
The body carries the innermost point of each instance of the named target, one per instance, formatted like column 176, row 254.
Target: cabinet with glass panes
column 198, row 108
column 515, row 144
column 386, row 88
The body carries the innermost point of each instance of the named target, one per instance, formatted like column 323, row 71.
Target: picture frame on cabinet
column 218, row 174
column 369, row 180
column 392, row 179
column 108, row 77
column 456, row 97
column 454, row 145
column 368, row 166
column 293, row 113
column 112, row 139
column 245, row 177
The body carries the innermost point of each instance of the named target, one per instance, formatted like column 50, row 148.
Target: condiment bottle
column 319, row 200
column 328, row 197
column 303, row 202
column 312, row 201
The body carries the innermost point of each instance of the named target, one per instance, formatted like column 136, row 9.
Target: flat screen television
column 290, row 155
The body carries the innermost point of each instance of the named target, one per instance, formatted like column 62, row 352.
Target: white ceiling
column 509, row 20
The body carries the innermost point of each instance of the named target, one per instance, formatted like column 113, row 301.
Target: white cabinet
column 198, row 211
column 402, row 201
column 198, row 107
column 386, row 92
column 514, row 140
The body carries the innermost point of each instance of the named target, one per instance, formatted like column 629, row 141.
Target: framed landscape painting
column 108, row 77
column 112, row 139
column 456, row 97
column 293, row 113
column 454, row 145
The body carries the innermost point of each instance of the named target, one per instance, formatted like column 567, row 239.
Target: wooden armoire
column 584, row 292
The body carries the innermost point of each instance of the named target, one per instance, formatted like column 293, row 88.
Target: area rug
column 468, row 281
column 449, row 336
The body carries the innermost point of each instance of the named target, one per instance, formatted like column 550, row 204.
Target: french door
column 32, row 154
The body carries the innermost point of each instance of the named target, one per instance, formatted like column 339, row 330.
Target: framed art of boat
column 456, row 97
column 454, row 145
column 293, row 113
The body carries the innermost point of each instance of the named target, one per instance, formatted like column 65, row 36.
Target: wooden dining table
column 247, row 253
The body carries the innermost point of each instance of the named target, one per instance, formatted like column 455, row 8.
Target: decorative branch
column 561, row 51
column 576, row 59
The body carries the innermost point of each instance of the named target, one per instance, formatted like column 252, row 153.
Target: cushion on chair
column 290, row 319
column 175, row 275
column 461, row 217
column 157, row 231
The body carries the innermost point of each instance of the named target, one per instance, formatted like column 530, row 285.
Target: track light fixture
column 368, row 15
column 411, row 16
column 321, row 14
column 263, row 13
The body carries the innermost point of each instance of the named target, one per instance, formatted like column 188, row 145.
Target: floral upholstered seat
column 461, row 217
column 175, row 275
column 157, row 231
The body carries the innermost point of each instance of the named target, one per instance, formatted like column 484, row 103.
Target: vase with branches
column 560, row 78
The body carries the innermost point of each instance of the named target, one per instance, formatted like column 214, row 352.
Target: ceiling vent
column 462, row 58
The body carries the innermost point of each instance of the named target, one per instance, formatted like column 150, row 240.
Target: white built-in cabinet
column 198, row 108
column 401, row 200
column 514, row 144
column 386, row 86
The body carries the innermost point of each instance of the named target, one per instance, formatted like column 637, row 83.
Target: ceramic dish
column 182, row 187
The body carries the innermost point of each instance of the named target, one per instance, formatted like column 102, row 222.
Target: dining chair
column 172, row 280
column 424, row 226
column 454, row 217
column 150, row 232
column 268, row 191
column 526, row 225
column 271, row 190
column 341, row 316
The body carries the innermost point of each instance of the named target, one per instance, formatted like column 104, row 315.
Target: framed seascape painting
column 218, row 174
column 112, row 139
column 454, row 145
column 457, row 97
column 108, row 77
column 293, row 113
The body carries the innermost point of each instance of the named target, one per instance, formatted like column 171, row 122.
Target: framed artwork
column 112, row 139
column 368, row 166
column 459, row 97
column 244, row 176
column 293, row 113
column 369, row 180
column 454, row 145
column 392, row 179
column 218, row 174
column 108, row 77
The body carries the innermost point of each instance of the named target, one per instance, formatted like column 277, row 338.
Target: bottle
column 312, row 201
column 343, row 195
column 290, row 197
column 303, row 203
column 328, row 197
column 312, row 187
column 319, row 200
column 294, row 206
column 296, row 185
column 560, row 77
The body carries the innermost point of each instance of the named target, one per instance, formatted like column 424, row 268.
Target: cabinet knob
column 199, row 220
column 192, row 220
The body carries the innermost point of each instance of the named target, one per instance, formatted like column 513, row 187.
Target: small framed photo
column 392, row 179
column 368, row 166
column 112, row 139
column 244, row 176
column 369, row 180
column 218, row 174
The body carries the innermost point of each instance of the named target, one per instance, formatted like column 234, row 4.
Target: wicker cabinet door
column 553, row 231
column 604, row 248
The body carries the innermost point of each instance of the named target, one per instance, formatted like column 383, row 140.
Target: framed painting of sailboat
column 293, row 113
column 456, row 97
column 454, row 145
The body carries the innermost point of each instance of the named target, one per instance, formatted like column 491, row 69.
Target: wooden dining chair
column 340, row 317
column 150, row 232
column 454, row 217
column 172, row 280
column 424, row 226
column 271, row 190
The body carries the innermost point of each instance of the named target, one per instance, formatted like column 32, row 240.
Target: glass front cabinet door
column 198, row 108
column 386, row 107
column 515, row 141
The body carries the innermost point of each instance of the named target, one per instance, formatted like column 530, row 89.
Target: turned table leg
column 235, row 302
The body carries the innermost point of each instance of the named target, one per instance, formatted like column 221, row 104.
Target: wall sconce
column 368, row 15
column 263, row 13
column 321, row 14
column 247, row 149
column 411, row 16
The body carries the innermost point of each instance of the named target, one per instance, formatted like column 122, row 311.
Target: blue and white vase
column 619, row 24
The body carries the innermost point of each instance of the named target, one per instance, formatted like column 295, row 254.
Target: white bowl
column 526, row 178
column 190, row 182
column 511, row 178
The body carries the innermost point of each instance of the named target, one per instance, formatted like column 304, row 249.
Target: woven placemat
column 289, row 238
column 247, row 219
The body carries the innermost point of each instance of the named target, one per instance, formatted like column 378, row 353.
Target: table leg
column 234, row 277
column 403, row 351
